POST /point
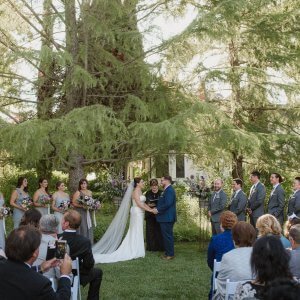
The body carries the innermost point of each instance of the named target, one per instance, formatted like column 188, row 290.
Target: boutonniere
column 161, row 195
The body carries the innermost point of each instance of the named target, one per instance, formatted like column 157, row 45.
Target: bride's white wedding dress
column 133, row 244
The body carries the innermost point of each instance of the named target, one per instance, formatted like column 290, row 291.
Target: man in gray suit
column 238, row 201
column 256, row 198
column 216, row 205
column 294, row 236
column 294, row 201
column 276, row 200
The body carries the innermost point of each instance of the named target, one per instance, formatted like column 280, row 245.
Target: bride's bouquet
column 64, row 206
column 5, row 212
column 27, row 203
column 89, row 203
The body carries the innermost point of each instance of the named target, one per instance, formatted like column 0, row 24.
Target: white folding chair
column 75, row 290
column 217, row 265
column 231, row 287
column 53, row 283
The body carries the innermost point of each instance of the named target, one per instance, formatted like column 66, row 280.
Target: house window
column 180, row 166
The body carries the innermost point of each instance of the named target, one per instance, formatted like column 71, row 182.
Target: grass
column 185, row 277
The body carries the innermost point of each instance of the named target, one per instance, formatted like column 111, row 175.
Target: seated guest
column 80, row 247
column 19, row 280
column 235, row 264
column 269, row 261
column 289, row 223
column 283, row 290
column 222, row 242
column 294, row 236
column 31, row 217
column 268, row 224
column 48, row 227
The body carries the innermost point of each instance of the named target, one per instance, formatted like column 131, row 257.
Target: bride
column 108, row 249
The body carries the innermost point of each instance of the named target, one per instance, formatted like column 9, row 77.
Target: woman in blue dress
column 41, row 198
column 60, row 203
column 19, row 200
column 86, row 227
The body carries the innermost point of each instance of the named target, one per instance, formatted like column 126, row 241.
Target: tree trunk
column 76, row 172
column 237, row 166
column 46, row 83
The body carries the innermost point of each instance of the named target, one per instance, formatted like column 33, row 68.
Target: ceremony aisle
column 186, row 277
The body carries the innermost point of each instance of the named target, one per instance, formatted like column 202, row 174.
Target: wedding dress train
column 133, row 244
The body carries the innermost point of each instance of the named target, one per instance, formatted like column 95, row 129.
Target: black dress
column 154, row 239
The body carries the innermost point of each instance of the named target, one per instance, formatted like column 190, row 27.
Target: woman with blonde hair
column 268, row 225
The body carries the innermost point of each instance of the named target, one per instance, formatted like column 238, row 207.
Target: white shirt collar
column 275, row 186
column 27, row 264
column 69, row 230
column 237, row 191
column 167, row 186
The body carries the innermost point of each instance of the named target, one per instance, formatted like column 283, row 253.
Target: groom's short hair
column 168, row 177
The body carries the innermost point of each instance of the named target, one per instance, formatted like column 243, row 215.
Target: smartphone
column 51, row 250
column 61, row 249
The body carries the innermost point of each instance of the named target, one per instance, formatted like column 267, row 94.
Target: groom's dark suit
column 166, row 217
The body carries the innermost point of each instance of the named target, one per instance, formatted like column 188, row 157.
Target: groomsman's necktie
column 215, row 196
column 252, row 189
column 272, row 192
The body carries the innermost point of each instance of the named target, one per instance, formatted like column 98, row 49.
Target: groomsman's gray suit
column 294, row 204
column 216, row 205
column 256, row 202
column 276, row 203
column 238, row 204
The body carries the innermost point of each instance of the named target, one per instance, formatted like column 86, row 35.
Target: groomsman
column 216, row 206
column 276, row 200
column 294, row 201
column 256, row 198
column 238, row 201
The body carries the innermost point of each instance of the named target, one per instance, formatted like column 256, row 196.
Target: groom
column 166, row 216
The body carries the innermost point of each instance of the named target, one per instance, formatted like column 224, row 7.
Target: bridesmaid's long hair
column 136, row 180
column 20, row 182
column 81, row 181
column 58, row 184
column 40, row 182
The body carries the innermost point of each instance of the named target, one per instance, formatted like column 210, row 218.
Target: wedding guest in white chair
column 48, row 228
column 235, row 264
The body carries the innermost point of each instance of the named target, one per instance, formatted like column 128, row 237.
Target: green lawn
column 185, row 277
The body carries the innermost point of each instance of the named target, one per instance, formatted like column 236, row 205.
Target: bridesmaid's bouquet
column 45, row 200
column 5, row 212
column 27, row 203
column 64, row 205
column 89, row 203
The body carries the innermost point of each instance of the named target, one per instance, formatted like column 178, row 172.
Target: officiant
column 154, row 239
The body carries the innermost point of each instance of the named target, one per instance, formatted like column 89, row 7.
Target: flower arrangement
column 26, row 203
column 5, row 212
column 64, row 205
column 89, row 203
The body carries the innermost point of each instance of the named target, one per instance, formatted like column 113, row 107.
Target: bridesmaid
column 38, row 196
column 17, row 197
column 2, row 234
column 86, row 228
column 60, row 203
